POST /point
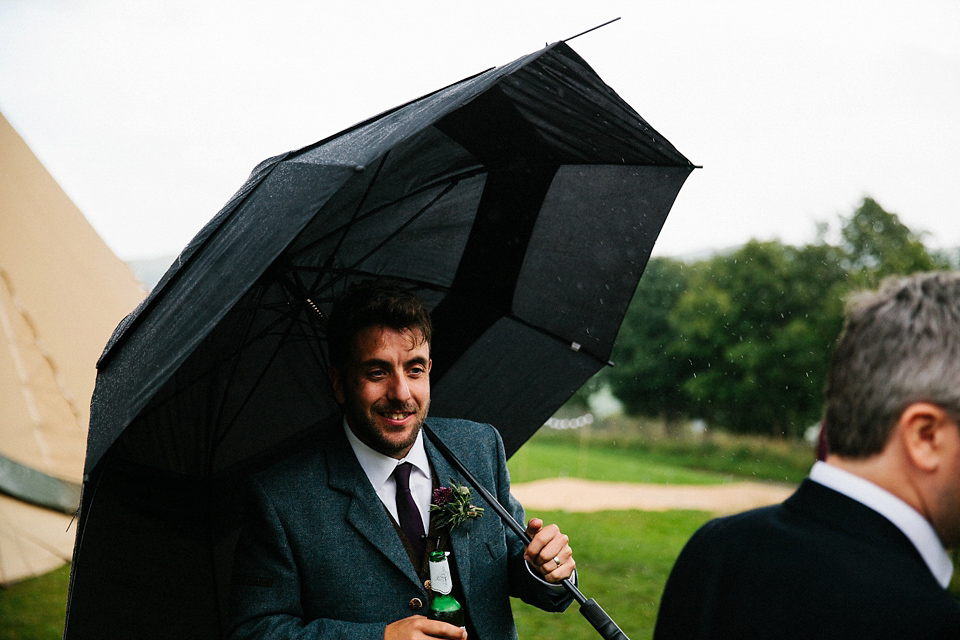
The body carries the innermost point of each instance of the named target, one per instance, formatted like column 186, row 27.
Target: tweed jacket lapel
column 365, row 513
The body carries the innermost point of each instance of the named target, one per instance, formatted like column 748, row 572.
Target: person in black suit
column 332, row 552
column 859, row 551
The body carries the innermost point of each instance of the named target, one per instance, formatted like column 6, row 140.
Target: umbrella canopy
column 521, row 204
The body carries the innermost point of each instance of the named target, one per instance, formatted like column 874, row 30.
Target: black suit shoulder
column 819, row 565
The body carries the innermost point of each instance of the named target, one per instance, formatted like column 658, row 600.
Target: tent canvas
column 62, row 292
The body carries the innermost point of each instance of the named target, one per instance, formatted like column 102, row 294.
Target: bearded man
column 342, row 530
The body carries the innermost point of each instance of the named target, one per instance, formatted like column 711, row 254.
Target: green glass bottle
column 443, row 606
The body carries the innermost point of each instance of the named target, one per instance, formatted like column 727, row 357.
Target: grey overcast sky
column 152, row 114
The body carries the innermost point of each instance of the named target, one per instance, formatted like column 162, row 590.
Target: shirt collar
column 379, row 467
column 906, row 518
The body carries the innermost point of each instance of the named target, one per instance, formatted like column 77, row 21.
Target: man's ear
column 922, row 428
column 336, row 381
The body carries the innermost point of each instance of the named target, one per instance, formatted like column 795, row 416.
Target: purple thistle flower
column 442, row 495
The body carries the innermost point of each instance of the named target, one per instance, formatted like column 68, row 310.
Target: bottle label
column 440, row 579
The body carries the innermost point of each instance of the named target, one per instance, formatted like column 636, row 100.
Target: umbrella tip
column 592, row 29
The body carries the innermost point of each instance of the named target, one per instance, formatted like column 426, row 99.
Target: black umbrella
column 521, row 204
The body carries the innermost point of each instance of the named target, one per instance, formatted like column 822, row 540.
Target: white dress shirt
column 906, row 518
column 379, row 469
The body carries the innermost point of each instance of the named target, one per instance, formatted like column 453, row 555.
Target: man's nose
column 399, row 389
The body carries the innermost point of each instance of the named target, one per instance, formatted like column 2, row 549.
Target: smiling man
column 339, row 544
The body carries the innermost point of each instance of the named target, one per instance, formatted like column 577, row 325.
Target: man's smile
column 396, row 417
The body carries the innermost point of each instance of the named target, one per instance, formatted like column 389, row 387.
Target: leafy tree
column 648, row 375
column 744, row 339
column 755, row 328
column 878, row 244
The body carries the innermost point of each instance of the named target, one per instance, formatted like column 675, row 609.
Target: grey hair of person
column 900, row 345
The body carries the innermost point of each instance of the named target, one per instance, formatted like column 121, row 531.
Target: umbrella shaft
column 589, row 608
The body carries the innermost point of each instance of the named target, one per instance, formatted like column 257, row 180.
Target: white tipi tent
column 62, row 292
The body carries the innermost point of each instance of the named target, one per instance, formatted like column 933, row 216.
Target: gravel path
column 574, row 494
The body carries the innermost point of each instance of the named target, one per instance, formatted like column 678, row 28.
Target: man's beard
column 365, row 428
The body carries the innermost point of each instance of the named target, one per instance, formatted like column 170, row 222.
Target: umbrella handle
column 590, row 610
column 601, row 621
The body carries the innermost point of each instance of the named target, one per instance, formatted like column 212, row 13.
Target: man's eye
column 376, row 373
column 416, row 371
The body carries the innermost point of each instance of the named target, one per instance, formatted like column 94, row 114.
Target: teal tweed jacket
column 322, row 559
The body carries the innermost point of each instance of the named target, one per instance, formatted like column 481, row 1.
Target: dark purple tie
column 409, row 515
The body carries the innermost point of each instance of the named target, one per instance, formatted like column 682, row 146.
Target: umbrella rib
column 233, row 353
column 215, row 438
column 356, row 214
column 351, row 269
column 574, row 346
column 344, row 272
column 451, row 180
column 221, row 434
column 403, row 226
column 227, row 357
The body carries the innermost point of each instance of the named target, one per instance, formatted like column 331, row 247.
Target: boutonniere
column 452, row 505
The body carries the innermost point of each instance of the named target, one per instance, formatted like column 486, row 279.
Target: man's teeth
column 396, row 416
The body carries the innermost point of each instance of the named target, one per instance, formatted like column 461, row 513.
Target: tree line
column 742, row 340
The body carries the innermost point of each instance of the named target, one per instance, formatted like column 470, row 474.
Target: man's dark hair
column 899, row 345
column 378, row 303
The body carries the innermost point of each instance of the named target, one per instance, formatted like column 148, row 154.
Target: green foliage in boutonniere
column 451, row 505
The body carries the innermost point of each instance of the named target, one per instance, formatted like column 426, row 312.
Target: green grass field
column 623, row 560
column 35, row 609
column 556, row 459
column 625, row 557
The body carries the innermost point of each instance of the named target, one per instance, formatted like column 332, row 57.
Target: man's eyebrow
column 374, row 362
column 378, row 362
